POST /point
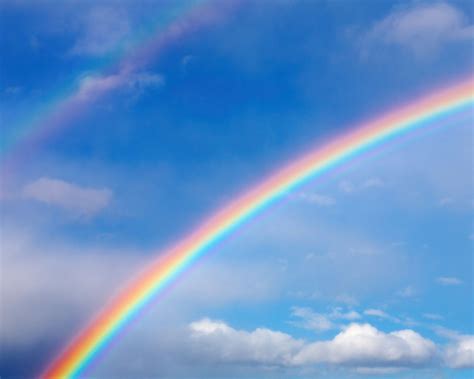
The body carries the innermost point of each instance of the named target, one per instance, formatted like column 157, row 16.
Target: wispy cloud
column 348, row 186
column 421, row 28
column 80, row 200
column 315, row 198
column 102, row 30
column 406, row 292
column 308, row 319
column 432, row 316
column 448, row 281
column 381, row 314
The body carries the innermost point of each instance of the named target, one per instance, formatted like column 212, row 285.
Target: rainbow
column 125, row 64
column 72, row 362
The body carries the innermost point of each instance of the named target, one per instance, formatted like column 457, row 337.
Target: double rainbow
column 72, row 362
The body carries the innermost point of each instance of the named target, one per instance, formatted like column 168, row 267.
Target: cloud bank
column 359, row 346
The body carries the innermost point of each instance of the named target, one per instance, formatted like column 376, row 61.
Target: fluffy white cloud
column 362, row 345
column 80, row 200
column 422, row 28
column 448, row 281
column 220, row 342
column 359, row 346
column 460, row 354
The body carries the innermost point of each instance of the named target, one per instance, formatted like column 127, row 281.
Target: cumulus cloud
column 81, row 200
column 448, row 281
column 362, row 345
column 460, row 353
column 222, row 343
column 358, row 346
column 421, row 28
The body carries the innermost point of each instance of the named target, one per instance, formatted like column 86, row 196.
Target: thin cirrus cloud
column 83, row 201
column 448, row 281
column 306, row 318
column 102, row 30
column 315, row 198
column 348, row 186
column 422, row 28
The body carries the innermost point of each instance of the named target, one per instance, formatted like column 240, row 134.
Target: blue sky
column 367, row 272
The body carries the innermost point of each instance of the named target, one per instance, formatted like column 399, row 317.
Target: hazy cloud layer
column 103, row 29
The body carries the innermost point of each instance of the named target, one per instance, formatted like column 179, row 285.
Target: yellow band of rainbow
column 170, row 264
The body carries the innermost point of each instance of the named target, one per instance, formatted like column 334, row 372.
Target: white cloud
column 319, row 322
column 381, row 314
column 421, row 28
column 102, row 30
column 362, row 345
column 219, row 342
column 460, row 354
column 308, row 319
column 93, row 86
column 348, row 186
column 80, row 200
column 406, row 292
column 346, row 299
column 373, row 183
column 376, row 313
column 432, row 316
column 445, row 201
column 337, row 313
column 316, row 199
column 50, row 288
column 448, row 281
column 359, row 346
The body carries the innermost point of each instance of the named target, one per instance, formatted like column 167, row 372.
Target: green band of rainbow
column 170, row 264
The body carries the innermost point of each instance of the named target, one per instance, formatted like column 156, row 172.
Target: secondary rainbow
column 75, row 99
column 72, row 362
